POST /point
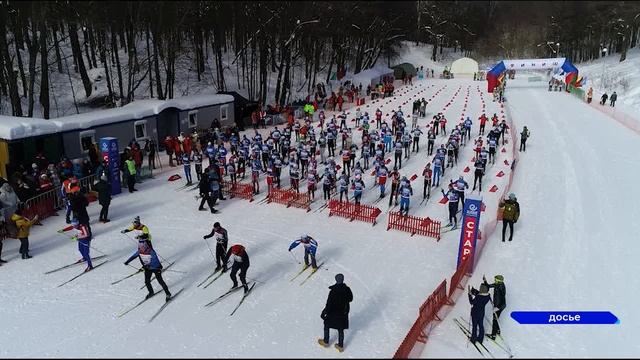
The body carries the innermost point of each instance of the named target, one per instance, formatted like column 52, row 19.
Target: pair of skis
column 229, row 292
column 467, row 332
column 213, row 278
column 81, row 261
column 147, row 298
column 304, row 268
column 82, row 273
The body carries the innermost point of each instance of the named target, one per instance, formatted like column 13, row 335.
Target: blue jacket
column 147, row 256
column 310, row 247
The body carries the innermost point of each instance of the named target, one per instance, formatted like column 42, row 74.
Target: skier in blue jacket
column 151, row 266
column 452, row 196
column 310, row 247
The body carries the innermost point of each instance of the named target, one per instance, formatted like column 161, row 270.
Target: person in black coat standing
column 499, row 302
column 478, row 301
column 104, row 197
column 205, row 194
column 336, row 312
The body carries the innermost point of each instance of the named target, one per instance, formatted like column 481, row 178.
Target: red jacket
column 187, row 144
column 176, row 146
column 168, row 144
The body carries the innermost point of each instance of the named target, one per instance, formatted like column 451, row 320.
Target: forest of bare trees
column 139, row 44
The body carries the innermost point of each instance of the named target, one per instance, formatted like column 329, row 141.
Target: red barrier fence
column 458, row 276
column 280, row 196
column 301, row 201
column 353, row 211
column 414, row 225
column 427, row 313
column 289, row 197
column 43, row 205
column 243, row 191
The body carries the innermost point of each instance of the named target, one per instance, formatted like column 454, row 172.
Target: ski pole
column 211, row 251
column 294, row 258
column 160, row 256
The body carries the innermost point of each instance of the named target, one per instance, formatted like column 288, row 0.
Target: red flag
column 506, row 162
column 466, row 169
column 494, row 188
column 415, row 176
column 444, row 200
column 389, row 160
column 500, row 174
column 504, row 150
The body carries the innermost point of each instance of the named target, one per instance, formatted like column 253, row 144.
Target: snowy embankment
column 575, row 241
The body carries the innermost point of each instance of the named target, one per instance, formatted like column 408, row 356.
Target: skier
column 499, row 302
column 589, row 95
column 406, row 143
column 222, row 238
column 437, row 169
column 459, row 186
column 83, row 237
column 478, row 301
column 483, row 120
column 406, row 191
column 441, row 152
column 510, row 214
column 467, row 128
column 395, row 182
column 478, row 173
column 142, row 231
column 427, row 173
column 493, row 144
column 358, row 188
column 431, row 138
column 416, row 138
column 256, row 167
column 240, row 262
column 310, row 248
column 336, row 312
column 524, row 135
column 151, row 265
column 186, row 162
column 398, row 153
column 452, row 196
column 382, row 179
column 378, row 118
column 197, row 160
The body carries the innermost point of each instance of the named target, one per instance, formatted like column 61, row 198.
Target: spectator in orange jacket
column 340, row 101
column 177, row 148
column 168, row 145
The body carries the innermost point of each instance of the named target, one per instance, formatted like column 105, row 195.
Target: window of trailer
column 87, row 139
column 140, row 128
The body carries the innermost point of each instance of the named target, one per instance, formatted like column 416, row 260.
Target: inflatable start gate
column 497, row 72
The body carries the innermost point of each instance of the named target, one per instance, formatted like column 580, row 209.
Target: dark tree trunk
column 103, row 59
column 114, row 49
column 149, row 64
column 54, row 31
column 75, row 47
column 85, row 41
column 44, row 72
column 12, row 79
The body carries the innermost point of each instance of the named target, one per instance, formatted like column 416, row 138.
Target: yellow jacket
column 141, row 230
column 23, row 225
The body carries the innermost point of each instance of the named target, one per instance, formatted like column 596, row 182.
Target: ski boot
column 149, row 295
column 322, row 343
column 339, row 348
column 88, row 268
column 168, row 297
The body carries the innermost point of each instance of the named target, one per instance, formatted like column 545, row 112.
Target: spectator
column 215, row 124
column 104, row 197
column 168, row 145
column 23, row 224
column 130, row 167
column 613, row 99
column 9, row 200
column 93, row 156
column 510, row 214
column 150, row 148
column 336, row 312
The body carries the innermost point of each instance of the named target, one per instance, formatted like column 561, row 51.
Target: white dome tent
column 464, row 67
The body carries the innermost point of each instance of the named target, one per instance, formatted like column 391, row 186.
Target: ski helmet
column 136, row 220
column 512, row 196
column 499, row 278
column 216, row 225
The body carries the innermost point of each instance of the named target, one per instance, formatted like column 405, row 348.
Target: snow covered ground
column 574, row 244
column 390, row 273
column 572, row 250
